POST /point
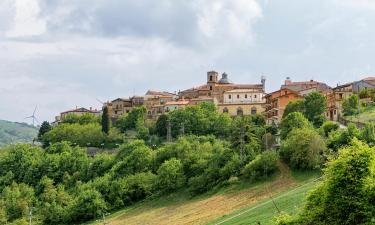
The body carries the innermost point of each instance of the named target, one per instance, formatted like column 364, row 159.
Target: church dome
column 224, row 79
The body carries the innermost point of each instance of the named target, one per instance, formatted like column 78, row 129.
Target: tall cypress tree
column 105, row 120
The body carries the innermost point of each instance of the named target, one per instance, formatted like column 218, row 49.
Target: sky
column 60, row 54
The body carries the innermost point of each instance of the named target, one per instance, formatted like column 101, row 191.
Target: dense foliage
column 350, row 105
column 312, row 107
column 347, row 194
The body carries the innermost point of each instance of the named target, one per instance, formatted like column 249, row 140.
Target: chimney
column 288, row 81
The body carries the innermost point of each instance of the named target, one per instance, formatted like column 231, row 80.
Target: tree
column 294, row 106
column 106, row 123
column 292, row 121
column 129, row 122
column 162, row 125
column 368, row 133
column 315, row 104
column 83, row 135
column 347, row 194
column 303, row 149
column 44, row 128
column 328, row 127
column 262, row 166
column 350, row 105
column 171, row 175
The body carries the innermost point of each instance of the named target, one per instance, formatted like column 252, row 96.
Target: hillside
column 13, row 132
column 211, row 208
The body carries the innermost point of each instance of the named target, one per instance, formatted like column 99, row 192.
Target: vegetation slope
column 13, row 132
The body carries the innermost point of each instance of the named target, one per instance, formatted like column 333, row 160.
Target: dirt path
column 204, row 210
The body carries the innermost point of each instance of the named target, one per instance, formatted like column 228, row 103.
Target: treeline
column 65, row 186
column 209, row 150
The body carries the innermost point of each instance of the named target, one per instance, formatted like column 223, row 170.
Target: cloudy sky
column 59, row 54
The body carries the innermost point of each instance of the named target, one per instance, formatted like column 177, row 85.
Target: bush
column 262, row 166
column 328, row 127
column 303, row 149
column 350, row 105
column 347, row 194
column 171, row 175
column 292, row 121
column 82, row 135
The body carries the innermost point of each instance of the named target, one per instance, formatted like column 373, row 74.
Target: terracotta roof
column 243, row 90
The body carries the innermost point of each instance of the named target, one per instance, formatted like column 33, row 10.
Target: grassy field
column 179, row 208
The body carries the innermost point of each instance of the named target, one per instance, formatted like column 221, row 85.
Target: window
column 334, row 112
column 239, row 112
column 210, row 78
column 245, row 95
column 253, row 111
column 230, row 96
column 225, row 110
column 238, row 96
column 255, row 96
column 210, row 88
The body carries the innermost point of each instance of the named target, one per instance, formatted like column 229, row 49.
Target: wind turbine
column 33, row 116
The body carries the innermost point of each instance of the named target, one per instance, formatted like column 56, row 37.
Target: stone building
column 223, row 92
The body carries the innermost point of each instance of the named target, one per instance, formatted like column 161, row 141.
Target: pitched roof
column 182, row 102
column 161, row 93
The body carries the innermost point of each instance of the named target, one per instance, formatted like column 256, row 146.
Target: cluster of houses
column 234, row 99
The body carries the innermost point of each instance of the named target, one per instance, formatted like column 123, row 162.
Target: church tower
column 212, row 78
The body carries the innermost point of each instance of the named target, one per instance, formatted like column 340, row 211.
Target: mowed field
column 252, row 201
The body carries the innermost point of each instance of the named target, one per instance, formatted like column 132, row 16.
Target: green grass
column 264, row 212
column 181, row 208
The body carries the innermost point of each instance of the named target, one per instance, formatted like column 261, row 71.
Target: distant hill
column 13, row 132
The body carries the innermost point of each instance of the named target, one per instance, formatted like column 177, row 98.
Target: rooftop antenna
column 33, row 116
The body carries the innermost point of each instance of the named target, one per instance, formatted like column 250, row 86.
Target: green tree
column 294, row 106
column 106, row 123
column 328, row 127
column 171, row 175
column 315, row 104
column 82, row 135
column 161, row 125
column 44, row 128
column 89, row 204
column 350, row 105
column 368, row 133
column 55, row 203
column 129, row 122
column 16, row 200
column 264, row 165
column 292, row 121
column 303, row 149
column 347, row 194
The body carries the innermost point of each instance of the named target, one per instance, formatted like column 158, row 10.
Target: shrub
column 303, row 149
column 347, row 194
column 171, row 175
column 262, row 166
column 292, row 121
column 329, row 126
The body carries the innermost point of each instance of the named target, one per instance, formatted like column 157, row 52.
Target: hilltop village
column 234, row 99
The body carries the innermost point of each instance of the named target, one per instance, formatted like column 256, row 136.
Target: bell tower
column 212, row 77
